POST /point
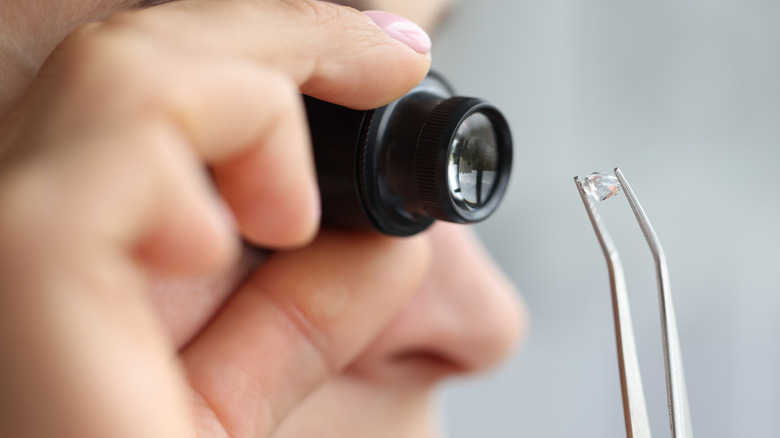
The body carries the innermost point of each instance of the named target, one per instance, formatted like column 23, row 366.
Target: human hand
column 102, row 178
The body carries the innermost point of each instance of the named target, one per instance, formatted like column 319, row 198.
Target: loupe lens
column 463, row 160
column 473, row 161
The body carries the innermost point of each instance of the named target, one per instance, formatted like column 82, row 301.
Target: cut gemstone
column 601, row 186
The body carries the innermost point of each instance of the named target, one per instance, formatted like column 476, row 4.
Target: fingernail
column 402, row 30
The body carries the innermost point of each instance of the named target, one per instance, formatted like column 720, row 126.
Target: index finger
column 334, row 53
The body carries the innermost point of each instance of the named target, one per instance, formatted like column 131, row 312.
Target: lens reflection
column 473, row 161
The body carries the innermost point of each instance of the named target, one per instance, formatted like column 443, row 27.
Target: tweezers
column 634, row 406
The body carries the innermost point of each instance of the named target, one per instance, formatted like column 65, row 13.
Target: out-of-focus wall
column 683, row 96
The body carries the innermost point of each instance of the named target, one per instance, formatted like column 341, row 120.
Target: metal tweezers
column 634, row 407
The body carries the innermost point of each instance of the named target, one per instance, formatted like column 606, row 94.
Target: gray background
column 683, row 96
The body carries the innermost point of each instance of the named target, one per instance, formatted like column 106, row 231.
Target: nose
column 466, row 317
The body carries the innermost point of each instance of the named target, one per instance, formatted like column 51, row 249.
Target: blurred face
column 463, row 320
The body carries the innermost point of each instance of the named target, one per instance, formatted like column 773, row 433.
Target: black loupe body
column 426, row 156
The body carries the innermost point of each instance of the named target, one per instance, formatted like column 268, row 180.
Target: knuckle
column 319, row 13
column 310, row 320
column 104, row 59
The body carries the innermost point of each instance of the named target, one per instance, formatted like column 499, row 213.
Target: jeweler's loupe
column 427, row 156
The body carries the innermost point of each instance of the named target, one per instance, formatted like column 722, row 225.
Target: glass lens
column 473, row 161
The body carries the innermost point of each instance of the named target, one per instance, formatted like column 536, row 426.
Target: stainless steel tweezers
column 634, row 406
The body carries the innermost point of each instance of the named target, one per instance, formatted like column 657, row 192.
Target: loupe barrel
column 424, row 157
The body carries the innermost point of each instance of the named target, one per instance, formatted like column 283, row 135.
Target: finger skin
column 304, row 314
column 333, row 53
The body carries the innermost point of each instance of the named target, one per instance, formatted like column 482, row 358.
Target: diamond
column 601, row 186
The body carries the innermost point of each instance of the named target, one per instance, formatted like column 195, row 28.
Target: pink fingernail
column 402, row 29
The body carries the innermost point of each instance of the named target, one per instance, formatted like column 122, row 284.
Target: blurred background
column 684, row 97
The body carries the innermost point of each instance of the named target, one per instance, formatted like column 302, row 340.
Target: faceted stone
column 601, row 186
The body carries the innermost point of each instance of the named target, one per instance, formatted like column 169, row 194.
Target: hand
column 101, row 180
